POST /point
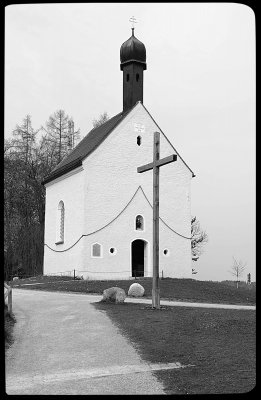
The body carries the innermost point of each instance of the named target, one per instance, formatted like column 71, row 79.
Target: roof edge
column 123, row 114
column 193, row 175
column 76, row 163
column 62, row 171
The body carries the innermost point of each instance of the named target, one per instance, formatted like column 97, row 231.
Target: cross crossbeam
column 155, row 165
column 159, row 163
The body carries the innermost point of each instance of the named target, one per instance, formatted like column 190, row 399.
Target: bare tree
column 27, row 162
column 101, row 119
column 199, row 238
column 60, row 135
column 23, row 140
column 20, row 205
column 238, row 268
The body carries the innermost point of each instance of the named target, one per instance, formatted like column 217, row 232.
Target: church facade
column 98, row 216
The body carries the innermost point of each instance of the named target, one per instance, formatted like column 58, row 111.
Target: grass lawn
column 170, row 288
column 220, row 343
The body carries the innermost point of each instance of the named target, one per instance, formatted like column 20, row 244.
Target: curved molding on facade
column 114, row 219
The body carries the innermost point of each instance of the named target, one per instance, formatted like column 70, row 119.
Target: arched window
column 96, row 250
column 60, row 223
column 138, row 140
column 139, row 225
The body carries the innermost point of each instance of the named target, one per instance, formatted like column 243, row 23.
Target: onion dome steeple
column 133, row 63
column 133, row 50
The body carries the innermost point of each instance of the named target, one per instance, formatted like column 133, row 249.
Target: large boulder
column 114, row 294
column 136, row 290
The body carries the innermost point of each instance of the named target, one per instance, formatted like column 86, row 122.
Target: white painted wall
column 69, row 189
column 102, row 190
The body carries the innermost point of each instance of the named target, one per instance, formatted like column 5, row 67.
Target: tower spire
column 133, row 63
column 133, row 21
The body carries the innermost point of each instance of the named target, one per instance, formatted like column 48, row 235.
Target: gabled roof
column 90, row 142
column 193, row 175
column 86, row 146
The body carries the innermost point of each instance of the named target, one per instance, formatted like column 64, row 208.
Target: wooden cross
column 155, row 165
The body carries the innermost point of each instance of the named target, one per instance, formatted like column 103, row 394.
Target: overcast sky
column 199, row 86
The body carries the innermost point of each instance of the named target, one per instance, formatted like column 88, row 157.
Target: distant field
column 173, row 289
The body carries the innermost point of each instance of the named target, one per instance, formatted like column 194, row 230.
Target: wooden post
column 9, row 297
column 10, row 301
column 155, row 165
column 74, row 274
column 155, row 281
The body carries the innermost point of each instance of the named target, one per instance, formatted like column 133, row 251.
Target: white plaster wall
column 111, row 179
column 120, row 234
column 70, row 190
column 96, row 195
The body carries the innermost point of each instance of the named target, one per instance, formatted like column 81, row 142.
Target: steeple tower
column 133, row 63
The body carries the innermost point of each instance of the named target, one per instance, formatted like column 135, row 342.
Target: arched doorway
column 138, row 257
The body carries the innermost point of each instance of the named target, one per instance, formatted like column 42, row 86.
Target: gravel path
column 191, row 304
column 63, row 345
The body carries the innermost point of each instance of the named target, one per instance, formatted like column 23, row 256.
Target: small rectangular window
column 96, row 250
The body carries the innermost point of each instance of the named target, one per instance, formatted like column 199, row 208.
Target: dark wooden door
column 137, row 256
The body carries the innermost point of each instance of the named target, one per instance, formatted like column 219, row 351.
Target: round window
column 112, row 250
column 166, row 252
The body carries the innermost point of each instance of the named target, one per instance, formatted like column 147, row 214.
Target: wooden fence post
column 10, row 301
column 9, row 298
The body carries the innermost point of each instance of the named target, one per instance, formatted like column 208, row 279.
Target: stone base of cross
column 155, row 165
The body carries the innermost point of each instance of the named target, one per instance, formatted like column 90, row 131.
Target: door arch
column 138, row 257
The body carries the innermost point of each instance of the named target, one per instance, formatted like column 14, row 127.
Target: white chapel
column 98, row 212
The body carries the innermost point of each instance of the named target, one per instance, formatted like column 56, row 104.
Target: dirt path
column 63, row 345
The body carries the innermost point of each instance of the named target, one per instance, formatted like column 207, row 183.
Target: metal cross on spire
column 133, row 21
